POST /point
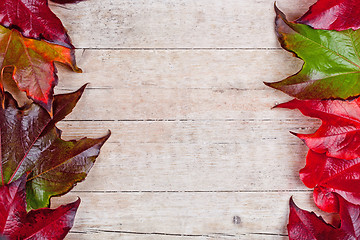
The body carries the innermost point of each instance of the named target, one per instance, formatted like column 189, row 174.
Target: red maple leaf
column 331, row 175
column 44, row 223
column 333, row 15
column 34, row 19
column 339, row 133
column 306, row 225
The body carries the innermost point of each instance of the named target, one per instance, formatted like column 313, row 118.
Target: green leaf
column 30, row 143
column 331, row 61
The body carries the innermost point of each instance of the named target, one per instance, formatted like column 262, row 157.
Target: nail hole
column 236, row 220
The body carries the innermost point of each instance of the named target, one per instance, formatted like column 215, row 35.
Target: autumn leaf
column 332, row 63
column 333, row 15
column 33, row 62
column 34, row 19
column 339, row 134
column 306, row 225
column 331, row 175
column 16, row 223
column 30, row 143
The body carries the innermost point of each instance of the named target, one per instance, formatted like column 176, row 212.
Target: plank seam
column 211, row 235
column 200, row 191
column 180, row 49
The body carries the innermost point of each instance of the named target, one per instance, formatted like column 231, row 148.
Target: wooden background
column 196, row 151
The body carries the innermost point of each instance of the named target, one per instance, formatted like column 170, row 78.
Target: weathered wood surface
column 175, row 24
column 194, row 140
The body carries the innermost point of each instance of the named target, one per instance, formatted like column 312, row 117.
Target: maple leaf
column 331, row 175
column 30, row 143
column 44, row 223
column 332, row 63
column 333, row 15
column 33, row 62
column 339, row 133
column 34, row 19
column 306, row 225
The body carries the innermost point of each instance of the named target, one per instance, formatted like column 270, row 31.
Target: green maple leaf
column 31, row 144
column 331, row 61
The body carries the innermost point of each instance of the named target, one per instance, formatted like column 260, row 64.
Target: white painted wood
column 194, row 139
column 175, row 24
column 179, row 84
column 203, row 155
column 206, row 215
column 179, row 104
column 180, row 69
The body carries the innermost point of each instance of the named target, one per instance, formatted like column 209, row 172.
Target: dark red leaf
column 333, row 15
column 30, row 143
column 306, row 225
column 339, row 133
column 34, row 19
column 44, row 223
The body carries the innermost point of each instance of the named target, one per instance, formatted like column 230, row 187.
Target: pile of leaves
column 36, row 163
column 327, row 39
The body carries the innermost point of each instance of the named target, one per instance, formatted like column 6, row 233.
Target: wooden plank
column 175, row 24
column 194, row 141
column 180, row 104
column 145, row 156
column 161, row 236
column 130, row 236
column 162, row 69
column 188, row 86
column 208, row 215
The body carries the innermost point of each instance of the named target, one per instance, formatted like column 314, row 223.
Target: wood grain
column 180, row 69
column 204, row 156
column 175, row 24
column 157, row 215
column 194, row 140
column 178, row 84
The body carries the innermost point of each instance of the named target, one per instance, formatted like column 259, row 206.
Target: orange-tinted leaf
column 30, row 143
column 44, row 223
column 33, row 62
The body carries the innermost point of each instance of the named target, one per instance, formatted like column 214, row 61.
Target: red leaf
column 331, row 175
column 31, row 144
column 33, row 64
column 339, row 134
column 326, row 200
column 34, row 19
column 306, row 225
column 43, row 223
column 333, row 15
